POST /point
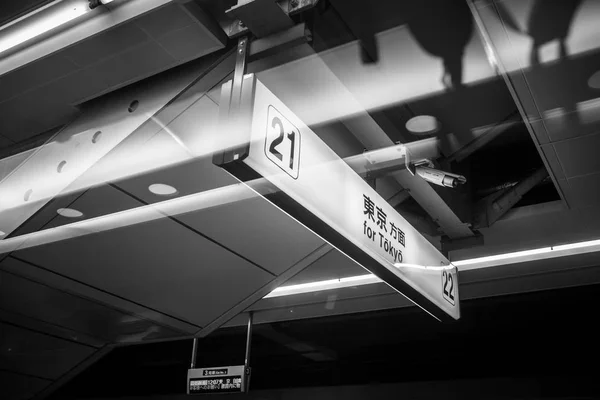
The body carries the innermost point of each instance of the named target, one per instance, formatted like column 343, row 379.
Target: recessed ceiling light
column 69, row 212
column 422, row 125
column 161, row 189
column 594, row 81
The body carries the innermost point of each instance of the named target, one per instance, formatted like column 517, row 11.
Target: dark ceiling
column 13, row 9
column 549, row 334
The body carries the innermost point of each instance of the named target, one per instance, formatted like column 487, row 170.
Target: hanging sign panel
column 216, row 380
column 320, row 190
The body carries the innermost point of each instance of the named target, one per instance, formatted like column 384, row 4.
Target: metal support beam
column 241, row 56
column 494, row 206
column 380, row 162
column 461, row 243
column 194, row 351
column 104, row 124
column 247, row 367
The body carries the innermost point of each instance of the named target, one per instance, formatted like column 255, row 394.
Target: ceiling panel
column 169, row 18
column 188, row 178
column 36, row 75
column 190, row 278
column 136, row 63
column 20, row 387
column 105, row 45
column 66, row 285
column 333, row 265
column 45, row 303
column 11, row 9
column 31, row 353
column 22, row 119
column 585, row 190
column 183, row 43
column 561, row 124
column 579, row 156
column 88, row 203
column 257, row 230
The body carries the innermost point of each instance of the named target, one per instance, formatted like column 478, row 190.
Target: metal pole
column 238, row 75
column 194, row 351
column 248, row 346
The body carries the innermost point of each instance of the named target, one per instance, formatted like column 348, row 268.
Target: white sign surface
column 293, row 158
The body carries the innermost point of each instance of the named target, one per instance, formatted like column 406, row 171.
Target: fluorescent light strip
column 474, row 263
column 41, row 21
column 324, row 285
column 530, row 255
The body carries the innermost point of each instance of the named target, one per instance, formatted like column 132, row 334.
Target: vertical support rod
column 248, row 347
column 194, row 351
column 238, row 75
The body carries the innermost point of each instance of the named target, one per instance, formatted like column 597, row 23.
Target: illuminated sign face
column 325, row 194
column 216, row 380
column 282, row 144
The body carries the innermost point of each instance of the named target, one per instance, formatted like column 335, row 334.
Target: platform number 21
column 448, row 287
column 282, row 145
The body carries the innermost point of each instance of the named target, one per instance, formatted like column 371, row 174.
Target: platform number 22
column 282, row 144
column 448, row 287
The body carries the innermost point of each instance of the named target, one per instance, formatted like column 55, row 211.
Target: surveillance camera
column 440, row 178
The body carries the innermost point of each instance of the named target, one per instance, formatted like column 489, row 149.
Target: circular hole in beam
column 69, row 212
column 60, row 166
column 161, row 189
column 133, row 106
column 96, row 137
column 422, row 125
column 27, row 195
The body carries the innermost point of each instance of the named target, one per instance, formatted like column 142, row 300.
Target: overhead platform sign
column 320, row 190
column 216, row 380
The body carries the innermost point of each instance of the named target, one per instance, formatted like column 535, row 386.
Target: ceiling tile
column 20, row 387
column 132, row 65
column 106, row 44
column 334, row 265
column 585, row 190
column 190, row 278
column 164, row 20
column 258, row 230
column 579, row 156
column 563, row 124
column 41, row 302
column 563, row 83
column 76, row 87
column 189, row 178
column 190, row 42
column 35, row 74
column 33, row 113
column 5, row 142
column 36, row 354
